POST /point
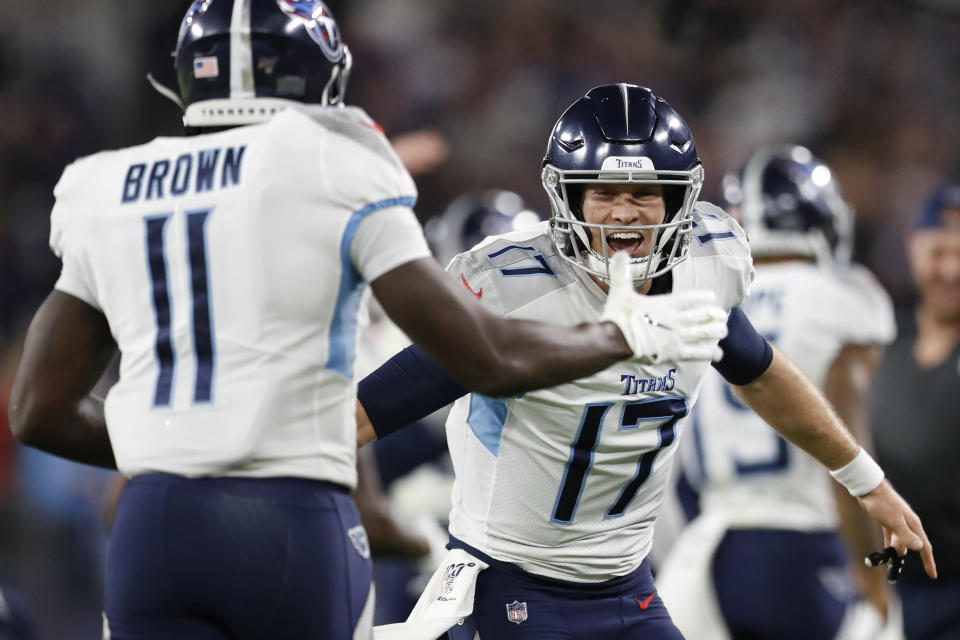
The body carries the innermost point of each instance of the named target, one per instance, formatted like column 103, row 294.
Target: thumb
column 620, row 272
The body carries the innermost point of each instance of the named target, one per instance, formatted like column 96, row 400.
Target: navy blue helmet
column 241, row 61
column 474, row 215
column 789, row 203
column 621, row 133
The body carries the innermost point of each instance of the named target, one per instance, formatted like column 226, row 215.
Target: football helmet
column 241, row 61
column 621, row 133
column 789, row 203
column 474, row 215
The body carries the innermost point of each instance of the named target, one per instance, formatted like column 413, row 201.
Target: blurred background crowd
column 869, row 85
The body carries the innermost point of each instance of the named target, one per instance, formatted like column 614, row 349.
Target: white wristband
column 860, row 476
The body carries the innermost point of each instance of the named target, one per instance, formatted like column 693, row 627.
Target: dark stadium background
column 870, row 85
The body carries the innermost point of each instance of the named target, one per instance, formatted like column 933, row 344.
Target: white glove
column 670, row 327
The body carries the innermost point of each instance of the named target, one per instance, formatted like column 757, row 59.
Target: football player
column 226, row 268
column 557, row 490
column 765, row 558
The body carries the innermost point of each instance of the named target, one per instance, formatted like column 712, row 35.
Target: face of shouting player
column 624, row 205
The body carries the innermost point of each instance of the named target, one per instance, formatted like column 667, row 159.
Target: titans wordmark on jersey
column 747, row 471
column 566, row 482
column 230, row 267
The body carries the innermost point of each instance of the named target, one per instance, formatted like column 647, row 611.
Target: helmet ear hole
column 575, row 193
column 673, row 196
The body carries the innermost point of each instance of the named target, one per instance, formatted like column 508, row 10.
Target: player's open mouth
column 629, row 241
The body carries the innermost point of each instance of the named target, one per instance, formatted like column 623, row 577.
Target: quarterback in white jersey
column 557, row 490
column 601, row 446
column 226, row 268
column 831, row 318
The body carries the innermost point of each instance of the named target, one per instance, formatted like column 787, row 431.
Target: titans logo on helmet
column 319, row 24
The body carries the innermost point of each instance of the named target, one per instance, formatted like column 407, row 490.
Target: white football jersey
column 744, row 467
column 566, row 482
column 230, row 267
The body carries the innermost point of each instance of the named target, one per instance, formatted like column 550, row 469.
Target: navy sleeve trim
column 746, row 354
column 407, row 387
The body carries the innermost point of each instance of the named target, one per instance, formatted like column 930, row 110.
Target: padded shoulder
column 357, row 165
column 719, row 257
column 861, row 307
column 512, row 270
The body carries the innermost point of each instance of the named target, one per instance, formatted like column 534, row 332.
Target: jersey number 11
column 201, row 323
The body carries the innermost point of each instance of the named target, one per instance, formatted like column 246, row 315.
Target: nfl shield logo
column 358, row 538
column 517, row 611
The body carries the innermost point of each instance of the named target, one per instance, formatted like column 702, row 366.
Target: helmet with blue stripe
column 621, row 133
column 790, row 204
column 241, row 61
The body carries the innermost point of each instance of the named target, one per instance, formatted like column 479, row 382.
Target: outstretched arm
column 789, row 402
column 846, row 388
column 485, row 353
column 67, row 349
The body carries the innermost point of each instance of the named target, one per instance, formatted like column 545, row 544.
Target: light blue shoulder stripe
column 487, row 418
column 343, row 326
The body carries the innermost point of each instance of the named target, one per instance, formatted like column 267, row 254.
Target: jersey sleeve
column 67, row 241
column 474, row 277
column 386, row 238
column 359, row 173
column 359, row 167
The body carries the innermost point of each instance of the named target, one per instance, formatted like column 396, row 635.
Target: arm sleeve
column 406, row 388
column 746, row 354
column 387, row 236
column 66, row 241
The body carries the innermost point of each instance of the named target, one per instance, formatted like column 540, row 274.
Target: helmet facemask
column 572, row 234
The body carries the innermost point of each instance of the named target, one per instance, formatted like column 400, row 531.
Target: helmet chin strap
column 638, row 266
column 166, row 92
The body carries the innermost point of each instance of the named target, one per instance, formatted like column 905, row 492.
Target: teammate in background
column 764, row 559
column 557, row 490
column 226, row 267
column 473, row 216
column 914, row 409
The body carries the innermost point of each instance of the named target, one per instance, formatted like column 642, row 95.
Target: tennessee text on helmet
column 242, row 61
column 790, row 204
column 621, row 133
